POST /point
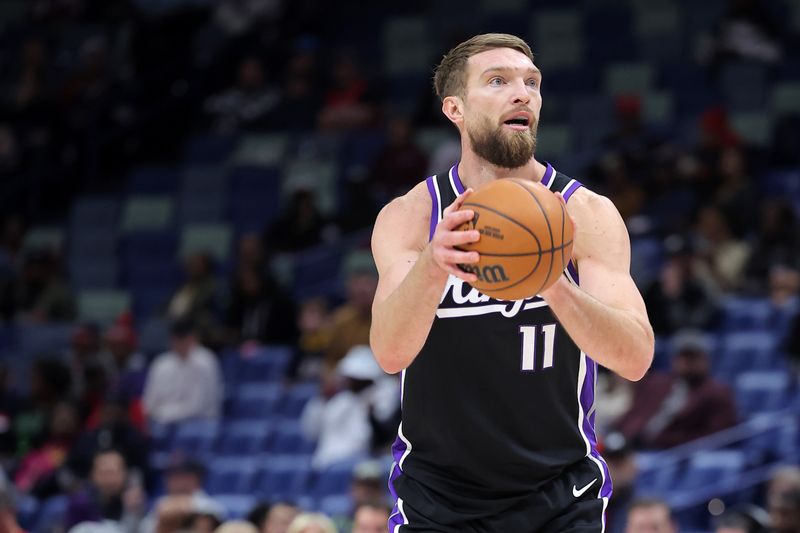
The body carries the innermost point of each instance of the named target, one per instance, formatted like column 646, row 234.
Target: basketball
column 526, row 238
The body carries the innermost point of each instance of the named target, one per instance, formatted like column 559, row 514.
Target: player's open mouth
column 518, row 122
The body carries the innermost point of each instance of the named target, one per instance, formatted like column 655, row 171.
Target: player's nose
column 520, row 93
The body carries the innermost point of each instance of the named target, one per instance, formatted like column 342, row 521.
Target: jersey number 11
column 530, row 339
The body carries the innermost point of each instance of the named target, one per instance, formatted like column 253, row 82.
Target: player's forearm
column 615, row 338
column 401, row 322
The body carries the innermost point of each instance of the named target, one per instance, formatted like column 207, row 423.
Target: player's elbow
column 386, row 355
column 642, row 359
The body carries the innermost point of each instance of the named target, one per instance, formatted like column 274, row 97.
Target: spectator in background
column 112, row 494
column 367, row 487
column 113, row 431
column 236, row 526
column 623, row 469
column 260, row 311
column 301, row 99
column 196, row 299
column 784, row 511
column 182, row 513
column 743, row 519
column 251, row 253
column 724, row 257
column 185, row 382
column 37, row 470
column 339, row 419
column 351, row 321
column 86, row 359
column 299, row 225
column 350, row 103
column 184, row 496
column 39, row 293
column 785, row 478
column 10, row 406
column 129, row 368
column 627, row 195
column 775, row 243
column 312, row 523
column 49, row 385
column 371, row 517
column 669, row 410
column 617, row 396
column 650, row 516
column 313, row 323
column 399, row 165
column 680, row 298
column 245, row 105
column 734, row 194
column 747, row 31
column 273, row 518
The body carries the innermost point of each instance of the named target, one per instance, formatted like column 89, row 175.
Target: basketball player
column 498, row 397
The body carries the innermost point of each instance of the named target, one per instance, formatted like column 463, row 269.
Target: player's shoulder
column 412, row 208
column 588, row 203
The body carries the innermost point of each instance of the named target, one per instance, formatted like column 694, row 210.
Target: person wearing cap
column 184, row 383
column 340, row 422
column 671, row 409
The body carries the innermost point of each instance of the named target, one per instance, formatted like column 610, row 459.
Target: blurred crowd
column 128, row 83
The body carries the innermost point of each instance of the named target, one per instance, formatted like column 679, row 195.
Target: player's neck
column 475, row 171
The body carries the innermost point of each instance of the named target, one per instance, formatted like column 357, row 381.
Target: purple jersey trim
column 571, row 189
column 457, row 180
column 434, row 206
column 549, row 172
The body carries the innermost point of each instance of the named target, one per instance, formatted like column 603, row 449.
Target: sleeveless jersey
column 499, row 400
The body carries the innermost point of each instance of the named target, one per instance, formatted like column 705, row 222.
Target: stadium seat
column 244, row 437
column 785, row 98
column 153, row 335
column 755, row 127
column 336, row 505
column 94, row 212
column 335, row 479
column 51, row 514
column 149, row 180
column 743, row 314
column 712, row 468
column 656, row 477
column 196, row 437
column 406, row 45
column 238, row 506
column 629, row 78
column 255, row 196
column 215, row 239
column 92, row 241
column 751, row 350
column 255, row 401
column 744, row 86
column 44, row 238
column 209, row 149
column 262, row 150
column 41, row 339
column 289, row 439
column 102, row 306
column 284, row 477
column 757, row 392
column 318, row 176
column 93, row 273
column 231, row 475
column 266, row 365
column 297, row 397
column 146, row 213
column 555, row 141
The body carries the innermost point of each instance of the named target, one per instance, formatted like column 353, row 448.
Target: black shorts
column 570, row 503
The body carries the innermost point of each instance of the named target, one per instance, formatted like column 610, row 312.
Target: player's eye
column 496, row 81
column 533, row 83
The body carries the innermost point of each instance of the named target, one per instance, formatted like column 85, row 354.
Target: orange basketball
column 526, row 238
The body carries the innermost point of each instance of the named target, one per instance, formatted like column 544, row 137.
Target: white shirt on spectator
column 181, row 389
column 341, row 426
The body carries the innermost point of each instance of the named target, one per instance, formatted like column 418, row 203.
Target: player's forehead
column 506, row 59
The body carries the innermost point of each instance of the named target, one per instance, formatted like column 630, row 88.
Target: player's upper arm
column 399, row 236
column 603, row 255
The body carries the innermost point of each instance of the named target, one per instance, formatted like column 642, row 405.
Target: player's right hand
column 447, row 237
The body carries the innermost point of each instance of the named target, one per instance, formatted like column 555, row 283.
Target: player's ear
column 453, row 109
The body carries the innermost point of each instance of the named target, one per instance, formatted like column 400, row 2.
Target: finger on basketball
column 456, row 218
column 455, row 257
column 458, row 202
column 466, row 276
column 458, row 238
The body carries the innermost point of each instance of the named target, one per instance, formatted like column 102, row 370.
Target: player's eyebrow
column 532, row 70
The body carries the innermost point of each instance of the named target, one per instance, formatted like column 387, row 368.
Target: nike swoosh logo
column 579, row 492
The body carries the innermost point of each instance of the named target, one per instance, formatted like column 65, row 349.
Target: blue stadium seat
column 751, row 350
column 744, row 86
column 153, row 335
column 713, row 468
column 150, row 301
column 209, row 149
column 289, row 439
column 91, row 241
column 244, row 437
column 255, row 401
column 744, row 314
column 231, row 475
column 757, row 392
column 238, row 506
column 41, row 339
column 315, row 266
column 336, row 505
column 266, row 365
column 255, row 196
column 284, row 477
column 335, row 479
column 196, row 437
column 51, row 514
column 153, row 180
column 656, row 477
column 27, row 508
column 93, row 272
column 95, row 212
column 297, row 397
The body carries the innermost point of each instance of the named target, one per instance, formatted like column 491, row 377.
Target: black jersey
column 499, row 401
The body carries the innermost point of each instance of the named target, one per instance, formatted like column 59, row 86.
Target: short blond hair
column 304, row 520
column 450, row 76
column 236, row 526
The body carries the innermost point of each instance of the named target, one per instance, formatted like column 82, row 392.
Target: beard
column 501, row 148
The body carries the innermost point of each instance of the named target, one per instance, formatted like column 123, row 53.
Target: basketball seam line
column 549, row 230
